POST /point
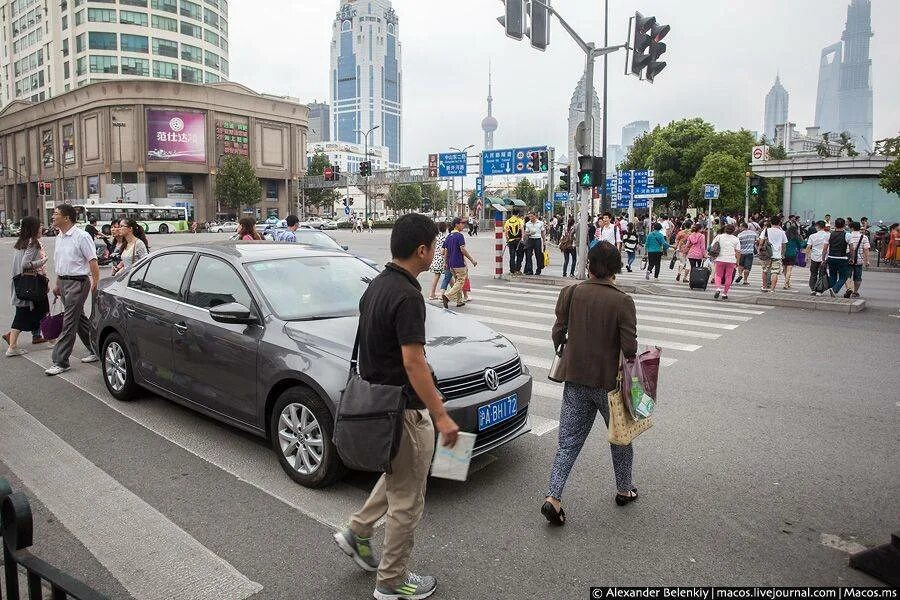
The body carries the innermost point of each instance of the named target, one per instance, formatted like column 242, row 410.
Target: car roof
column 247, row 251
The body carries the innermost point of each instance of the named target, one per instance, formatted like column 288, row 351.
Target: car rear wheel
column 301, row 428
column 164, row 228
column 117, row 370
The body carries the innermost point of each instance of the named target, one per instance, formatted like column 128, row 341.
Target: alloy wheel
column 300, row 438
column 115, row 366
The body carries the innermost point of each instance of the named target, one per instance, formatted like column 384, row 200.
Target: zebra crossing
column 524, row 313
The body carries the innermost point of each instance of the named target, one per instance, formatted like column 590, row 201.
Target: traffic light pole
column 586, row 193
column 747, row 197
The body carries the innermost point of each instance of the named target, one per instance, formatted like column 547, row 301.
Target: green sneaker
column 356, row 548
column 414, row 587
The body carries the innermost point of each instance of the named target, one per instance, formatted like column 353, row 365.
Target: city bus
column 154, row 219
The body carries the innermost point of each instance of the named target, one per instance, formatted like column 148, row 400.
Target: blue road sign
column 560, row 197
column 651, row 192
column 641, row 203
column 710, row 191
column 548, row 206
column 452, row 164
column 508, row 161
column 346, row 210
column 479, row 186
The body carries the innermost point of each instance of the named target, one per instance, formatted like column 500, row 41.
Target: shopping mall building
column 149, row 142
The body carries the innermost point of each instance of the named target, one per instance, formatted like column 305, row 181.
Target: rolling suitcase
column 699, row 278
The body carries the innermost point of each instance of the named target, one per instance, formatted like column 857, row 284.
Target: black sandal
column 554, row 517
column 623, row 500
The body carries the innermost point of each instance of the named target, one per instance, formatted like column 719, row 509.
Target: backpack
column 567, row 242
column 513, row 231
column 765, row 249
column 714, row 250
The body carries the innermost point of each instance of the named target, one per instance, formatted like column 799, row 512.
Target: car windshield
column 312, row 287
column 316, row 239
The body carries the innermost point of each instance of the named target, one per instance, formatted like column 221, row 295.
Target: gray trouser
column 73, row 294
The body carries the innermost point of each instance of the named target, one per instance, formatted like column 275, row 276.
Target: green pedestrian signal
column 756, row 184
column 587, row 179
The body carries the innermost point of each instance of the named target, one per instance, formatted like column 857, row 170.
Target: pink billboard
column 176, row 136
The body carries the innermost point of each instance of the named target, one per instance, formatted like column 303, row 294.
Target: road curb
column 843, row 305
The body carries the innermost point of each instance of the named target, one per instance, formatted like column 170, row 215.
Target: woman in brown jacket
column 597, row 322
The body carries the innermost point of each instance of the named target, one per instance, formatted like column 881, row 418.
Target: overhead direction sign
column 509, row 161
column 651, row 192
column 560, row 197
column 452, row 164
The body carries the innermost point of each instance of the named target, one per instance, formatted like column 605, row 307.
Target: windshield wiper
column 319, row 318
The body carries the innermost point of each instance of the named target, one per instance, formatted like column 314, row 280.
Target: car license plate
column 497, row 411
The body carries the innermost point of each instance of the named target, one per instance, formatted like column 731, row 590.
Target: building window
column 165, row 70
column 212, row 3
column 165, row 48
column 134, row 43
column 79, row 43
column 271, row 189
column 135, row 66
column 129, row 17
column 211, row 77
column 65, row 22
column 81, row 67
column 223, row 25
column 79, row 17
column 191, row 75
column 224, row 67
column 345, row 26
column 66, row 71
column 211, row 37
column 101, row 15
column 191, row 53
column 164, row 23
column 101, row 40
column 192, row 30
column 191, row 10
column 65, row 47
column 210, row 17
column 141, row 3
column 223, row 43
column 211, row 59
column 169, row 6
column 103, row 64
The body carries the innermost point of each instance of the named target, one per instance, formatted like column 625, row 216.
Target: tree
column 728, row 172
column 436, row 197
column 237, row 184
column 890, row 178
column 888, row 146
column 847, row 145
column 777, row 153
column 320, row 197
column 823, row 148
column 404, row 197
column 530, row 195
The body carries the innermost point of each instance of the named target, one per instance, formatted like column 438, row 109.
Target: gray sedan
column 259, row 335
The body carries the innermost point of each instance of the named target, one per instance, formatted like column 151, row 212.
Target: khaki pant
column 400, row 495
column 459, row 280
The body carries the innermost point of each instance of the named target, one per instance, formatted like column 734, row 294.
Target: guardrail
column 17, row 528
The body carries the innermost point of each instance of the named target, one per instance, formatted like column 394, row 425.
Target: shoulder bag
column 30, row 286
column 765, row 249
column 853, row 259
column 555, row 372
column 368, row 421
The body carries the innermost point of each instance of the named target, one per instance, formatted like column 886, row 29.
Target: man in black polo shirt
column 392, row 352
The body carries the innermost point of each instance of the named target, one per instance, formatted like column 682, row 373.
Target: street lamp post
column 119, row 125
column 462, row 180
column 366, row 139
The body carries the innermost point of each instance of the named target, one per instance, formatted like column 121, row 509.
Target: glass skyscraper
column 366, row 76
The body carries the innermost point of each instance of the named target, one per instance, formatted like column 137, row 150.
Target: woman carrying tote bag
column 28, row 261
column 596, row 323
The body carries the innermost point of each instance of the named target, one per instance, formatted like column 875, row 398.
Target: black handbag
column 368, row 422
column 31, row 286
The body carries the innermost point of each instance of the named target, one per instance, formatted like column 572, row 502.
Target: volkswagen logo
column 491, row 379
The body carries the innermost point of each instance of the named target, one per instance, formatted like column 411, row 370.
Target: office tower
column 776, row 108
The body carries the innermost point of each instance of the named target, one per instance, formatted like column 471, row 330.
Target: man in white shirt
column 666, row 226
column 77, row 275
column 858, row 253
column 609, row 231
column 776, row 236
column 816, row 245
column 534, row 244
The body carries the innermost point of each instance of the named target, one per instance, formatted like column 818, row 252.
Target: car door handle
column 181, row 327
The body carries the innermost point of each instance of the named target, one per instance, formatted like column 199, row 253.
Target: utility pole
column 119, row 125
column 366, row 138
column 604, row 202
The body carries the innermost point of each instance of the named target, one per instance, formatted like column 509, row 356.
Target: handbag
column 30, row 286
column 546, row 258
column 765, row 249
column 368, row 422
column 821, row 280
column 801, row 259
column 672, row 262
column 52, row 324
column 555, row 372
column 622, row 427
column 644, row 369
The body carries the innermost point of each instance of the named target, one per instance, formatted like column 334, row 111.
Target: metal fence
column 17, row 528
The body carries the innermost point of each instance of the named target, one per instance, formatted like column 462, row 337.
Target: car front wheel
column 301, row 428
column 117, row 370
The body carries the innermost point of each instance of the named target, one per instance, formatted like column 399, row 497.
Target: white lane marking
column 834, row 541
column 542, row 425
column 241, row 457
column 475, row 306
column 148, row 554
column 544, row 363
column 545, row 342
column 547, row 389
column 544, row 327
column 642, row 310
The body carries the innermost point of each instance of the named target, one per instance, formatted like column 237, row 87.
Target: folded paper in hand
column 453, row 463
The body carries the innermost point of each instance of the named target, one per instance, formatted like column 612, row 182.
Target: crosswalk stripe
column 641, row 317
column 542, row 425
column 642, row 309
column 547, row 389
column 545, row 342
column 152, row 557
column 538, row 327
column 656, row 301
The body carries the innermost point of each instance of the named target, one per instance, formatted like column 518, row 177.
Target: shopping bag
column 801, row 259
column 640, row 376
column 52, row 324
column 546, row 258
column 622, row 428
column 821, row 280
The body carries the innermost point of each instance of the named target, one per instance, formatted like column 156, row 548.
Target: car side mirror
column 232, row 313
column 345, row 248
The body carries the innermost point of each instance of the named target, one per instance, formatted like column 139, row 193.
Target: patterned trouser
column 579, row 409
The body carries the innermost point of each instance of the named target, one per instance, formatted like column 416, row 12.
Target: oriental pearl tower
column 489, row 123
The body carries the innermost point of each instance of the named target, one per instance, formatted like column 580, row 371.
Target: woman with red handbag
column 28, row 261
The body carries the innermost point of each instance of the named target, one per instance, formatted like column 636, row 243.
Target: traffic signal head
column 657, row 49
column 647, row 47
column 540, row 26
column 565, row 178
column 364, row 168
column 535, row 162
column 544, row 161
column 514, row 20
column 586, row 171
column 756, row 185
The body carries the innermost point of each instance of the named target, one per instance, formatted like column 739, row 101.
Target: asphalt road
column 774, row 453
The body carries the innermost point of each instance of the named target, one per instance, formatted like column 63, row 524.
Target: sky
column 723, row 56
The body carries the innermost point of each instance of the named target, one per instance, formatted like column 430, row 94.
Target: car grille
column 500, row 430
column 466, row 385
